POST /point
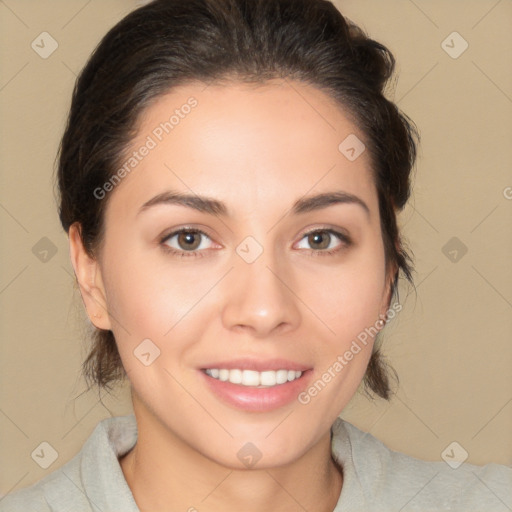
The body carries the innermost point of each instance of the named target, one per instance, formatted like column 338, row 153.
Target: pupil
column 321, row 239
column 187, row 240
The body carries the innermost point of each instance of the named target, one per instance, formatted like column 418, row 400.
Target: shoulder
column 91, row 480
column 63, row 482
column 384, row 476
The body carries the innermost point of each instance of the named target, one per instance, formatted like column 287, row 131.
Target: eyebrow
column 211, row 206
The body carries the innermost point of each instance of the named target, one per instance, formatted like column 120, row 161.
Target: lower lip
column 254, row 399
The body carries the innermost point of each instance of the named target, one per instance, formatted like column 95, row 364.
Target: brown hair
column 171, row 42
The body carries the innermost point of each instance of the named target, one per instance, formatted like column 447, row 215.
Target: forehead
column 244, row 144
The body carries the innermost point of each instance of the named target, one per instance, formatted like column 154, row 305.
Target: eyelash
column 198, row 254
column 182, row 254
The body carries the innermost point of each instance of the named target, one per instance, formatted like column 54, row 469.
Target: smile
column 254, row 378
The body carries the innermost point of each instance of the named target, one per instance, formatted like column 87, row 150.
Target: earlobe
column 88, row 275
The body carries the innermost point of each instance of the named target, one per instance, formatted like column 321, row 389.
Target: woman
column 229, row 179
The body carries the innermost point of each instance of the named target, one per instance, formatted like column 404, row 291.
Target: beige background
column 451, row 345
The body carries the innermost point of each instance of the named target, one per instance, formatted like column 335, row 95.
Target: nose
column 259, row 299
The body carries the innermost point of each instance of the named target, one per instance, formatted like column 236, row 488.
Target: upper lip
column 259, row 365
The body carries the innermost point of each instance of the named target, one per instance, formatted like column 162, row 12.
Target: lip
column 253, row 399
column 259, row 365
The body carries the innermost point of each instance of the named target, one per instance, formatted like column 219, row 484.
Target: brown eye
column 319, row 239
column 324, row 241
column 189, row 240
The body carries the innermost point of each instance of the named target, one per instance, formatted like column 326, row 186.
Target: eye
column 185, row 241
column 325, row 241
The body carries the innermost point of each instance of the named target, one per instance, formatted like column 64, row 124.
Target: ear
column 388, row 292
column 88, row 275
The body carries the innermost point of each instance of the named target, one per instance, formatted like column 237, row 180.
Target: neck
column 165, row 473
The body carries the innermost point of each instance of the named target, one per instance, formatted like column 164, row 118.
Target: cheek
column 147, row 298
column 348, row 301
column 347, row 297
column 163, row 317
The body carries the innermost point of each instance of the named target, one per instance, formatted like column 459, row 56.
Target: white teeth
column 253, row 378
column 235, row 376
column 267, row 378
column 281, row 376
column 248, row 377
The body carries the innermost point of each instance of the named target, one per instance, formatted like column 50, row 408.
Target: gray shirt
column 375, row 478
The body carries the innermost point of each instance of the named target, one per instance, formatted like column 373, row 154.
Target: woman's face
column 259, row 281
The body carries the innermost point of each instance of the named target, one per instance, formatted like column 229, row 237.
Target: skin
column 258, row 150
